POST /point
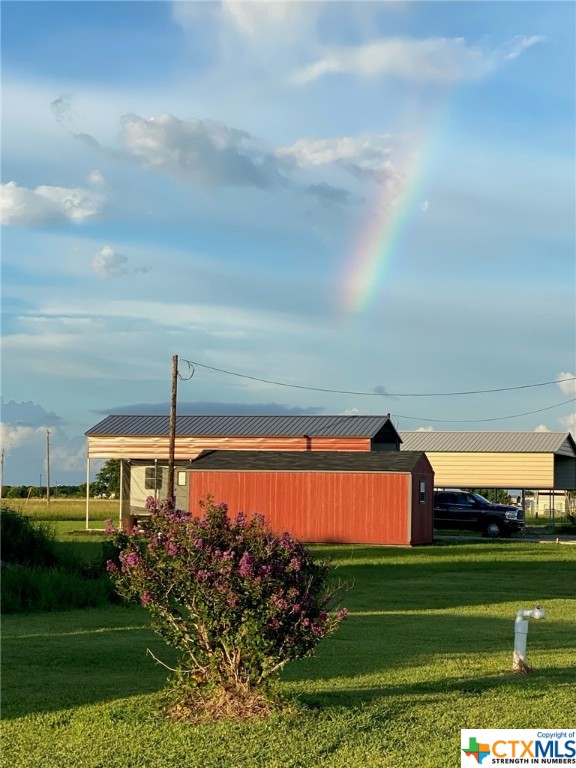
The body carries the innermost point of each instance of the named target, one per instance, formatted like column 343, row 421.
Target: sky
column 370, row 197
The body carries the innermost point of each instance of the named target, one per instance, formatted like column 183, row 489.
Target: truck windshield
column 481, row 499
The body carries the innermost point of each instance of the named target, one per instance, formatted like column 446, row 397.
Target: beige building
column 523, row 460
column 548, row 503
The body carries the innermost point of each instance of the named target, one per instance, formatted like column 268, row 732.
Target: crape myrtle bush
column 237, row 600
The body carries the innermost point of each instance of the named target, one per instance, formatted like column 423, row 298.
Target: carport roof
column 244, row 426
column 561, row 443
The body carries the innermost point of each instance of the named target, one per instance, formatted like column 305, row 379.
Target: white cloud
column 96, row 178
column 569, row 422
column 425, row 205
column 109, row 263
column 520, row 43
column 13, row 436
column 431, row 59
column 256, row 21
column 62, row 109
column 44, row 204
column 354, row 412
column 25, row 447
column 184, row 316
column 68, row 459
column 211, row 154
column 541, row 428
column 204, row 152
column 567, row 387
column 368, row 156
column 372, row 149
column 252, row 19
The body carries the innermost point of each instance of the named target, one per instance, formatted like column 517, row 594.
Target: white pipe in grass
column 521, row 635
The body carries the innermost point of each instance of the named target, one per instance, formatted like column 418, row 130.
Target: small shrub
column 38, row 575
column 236, row 600
column 25, row 542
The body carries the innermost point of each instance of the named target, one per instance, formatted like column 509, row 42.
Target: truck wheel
column 493, row 529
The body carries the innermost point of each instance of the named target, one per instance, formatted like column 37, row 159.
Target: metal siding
column 564, row 473
column 488, row 442
column 369, row 508
column 149, row 447
column 244, row 426
column 568, row 447
column 493, row 470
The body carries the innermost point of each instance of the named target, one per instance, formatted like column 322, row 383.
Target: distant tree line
column 107, row 483
column 35, row 491
column 496, row 495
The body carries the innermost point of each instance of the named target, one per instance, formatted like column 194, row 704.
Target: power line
column 193, row 363
column 477, row 421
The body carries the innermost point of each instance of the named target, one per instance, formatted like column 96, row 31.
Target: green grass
column 40, row 573
column 66, row 509
column 426, row 651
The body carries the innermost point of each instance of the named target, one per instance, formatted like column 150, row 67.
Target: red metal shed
column 320, row 496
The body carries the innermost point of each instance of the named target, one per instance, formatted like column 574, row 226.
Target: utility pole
column 2, row 473
column 172, row 442
column 48, row 467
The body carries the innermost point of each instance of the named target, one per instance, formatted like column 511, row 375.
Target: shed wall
column 364, row 508
column 565, row 473
column 422, row 522
column 493, row 470
column 141, row 447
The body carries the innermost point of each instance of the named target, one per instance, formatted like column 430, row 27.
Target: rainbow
column 371, row 258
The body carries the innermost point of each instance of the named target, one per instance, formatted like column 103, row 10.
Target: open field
column 426, row 651
column 65, row 509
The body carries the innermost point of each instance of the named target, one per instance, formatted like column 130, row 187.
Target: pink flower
column 172, row 549
column 342, row 613
column 281, row 604
column 246, row 565
column 146, row 598
column 132, row 559
column 111, row 567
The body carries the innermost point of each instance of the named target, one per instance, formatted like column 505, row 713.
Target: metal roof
column 489, row 442
column 308, row 461
column 244, row 426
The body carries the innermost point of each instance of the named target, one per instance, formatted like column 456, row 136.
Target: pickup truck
column 470, row 511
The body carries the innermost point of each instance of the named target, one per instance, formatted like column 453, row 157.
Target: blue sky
column 207, row 178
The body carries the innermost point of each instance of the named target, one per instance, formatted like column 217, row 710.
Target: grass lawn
column 66, row 509
column 426, row 651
